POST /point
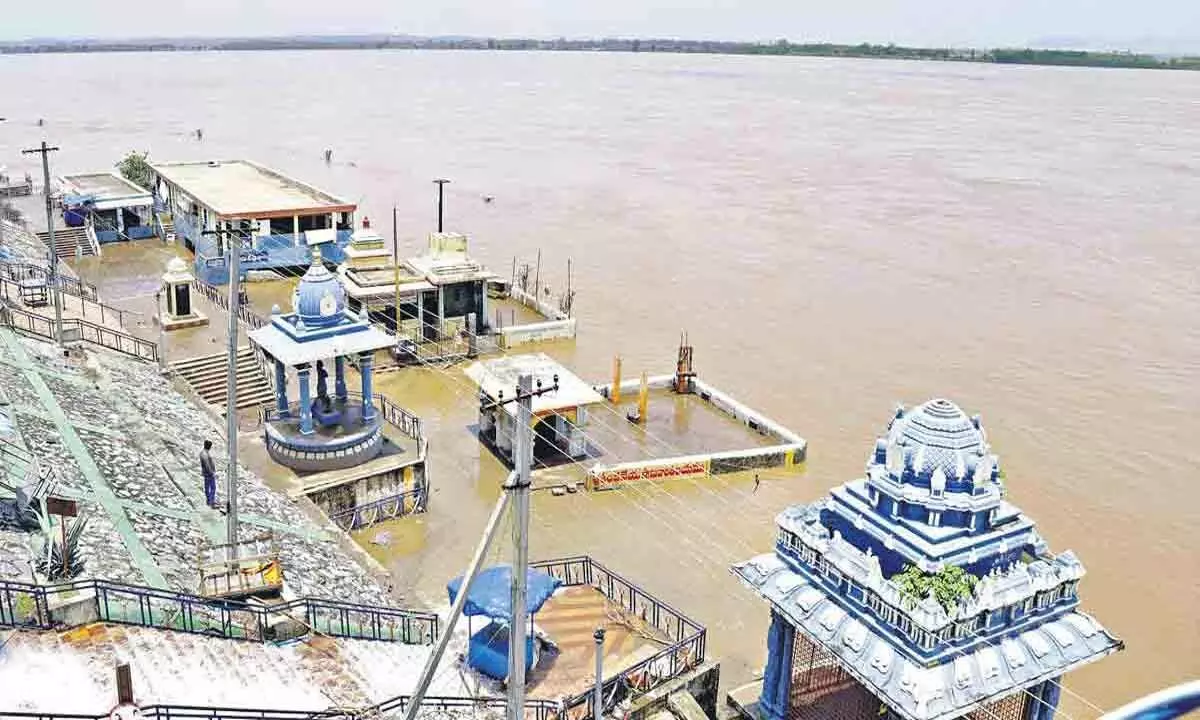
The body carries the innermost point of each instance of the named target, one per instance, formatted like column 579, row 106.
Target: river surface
column 835, row 236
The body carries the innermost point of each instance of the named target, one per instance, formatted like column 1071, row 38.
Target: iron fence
column 401, row 419
column 686, row 638
column 26, row 605
column 534, row 710
column 408, row 502
column 18, row 272
column 221, row 299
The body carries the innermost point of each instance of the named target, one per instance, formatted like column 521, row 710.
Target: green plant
column 136, row 169
column 51, row 564
column 948, row 585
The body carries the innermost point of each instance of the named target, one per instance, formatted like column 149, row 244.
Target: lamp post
column 44, row 150
column 441, row 183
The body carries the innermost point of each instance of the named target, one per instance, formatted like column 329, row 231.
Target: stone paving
column 125, row 443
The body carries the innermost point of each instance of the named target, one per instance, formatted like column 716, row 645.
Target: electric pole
column 520, row 537
column 516, row 493
column 45, row 151
column 233, row 242
column 441, row 183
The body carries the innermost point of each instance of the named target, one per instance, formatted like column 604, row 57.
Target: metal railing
column 26, row 605
column 534, row 710
column 220, row 298
column 685, row 638
column 23, row 321
column 18, row 272
column 399, row 418
column 9, row 286
column 409, row 502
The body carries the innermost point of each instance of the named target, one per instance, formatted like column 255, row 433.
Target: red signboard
column 604, row 479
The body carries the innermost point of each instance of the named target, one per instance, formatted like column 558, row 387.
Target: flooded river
column 835, row 236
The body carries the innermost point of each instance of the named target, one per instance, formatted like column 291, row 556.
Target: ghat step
column 66, row 240
column 208, row 377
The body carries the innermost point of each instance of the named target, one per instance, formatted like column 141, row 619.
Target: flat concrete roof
column 501, row 375
column 243, row 189
column 104, row 185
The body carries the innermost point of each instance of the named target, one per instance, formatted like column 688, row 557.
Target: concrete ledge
column 701, row 684
column 196, row 319
column 73, row 609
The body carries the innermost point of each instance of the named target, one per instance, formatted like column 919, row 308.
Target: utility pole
column 441, row 183
column 396, row 271
column 516, row 493
column 45, row 151
column 233, row 242
column 520, row 538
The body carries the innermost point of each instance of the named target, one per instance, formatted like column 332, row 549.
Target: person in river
column 209, row 471
column 328, row 156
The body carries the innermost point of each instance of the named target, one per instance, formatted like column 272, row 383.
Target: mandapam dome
column 320, row 299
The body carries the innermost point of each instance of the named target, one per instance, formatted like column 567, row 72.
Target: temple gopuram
column 918, row 592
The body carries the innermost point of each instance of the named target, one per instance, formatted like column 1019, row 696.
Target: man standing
column 209, row 471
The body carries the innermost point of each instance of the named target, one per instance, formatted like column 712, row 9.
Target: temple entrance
column 823, row 690
column 549, row 446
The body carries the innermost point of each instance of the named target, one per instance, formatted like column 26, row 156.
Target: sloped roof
column 973, row 678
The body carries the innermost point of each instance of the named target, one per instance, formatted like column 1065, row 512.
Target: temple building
column 283, row 218
column 918, row 592
column 559, row 417
column 108, row 205
column 334, row 438
column 442, row 287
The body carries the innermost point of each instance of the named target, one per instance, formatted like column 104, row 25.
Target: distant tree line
column 1026, row 56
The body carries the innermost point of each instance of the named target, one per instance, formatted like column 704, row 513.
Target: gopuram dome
column 936, row 445
column 320, row 299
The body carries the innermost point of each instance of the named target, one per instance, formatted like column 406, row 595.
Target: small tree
column 136, row 169
column 948, row 585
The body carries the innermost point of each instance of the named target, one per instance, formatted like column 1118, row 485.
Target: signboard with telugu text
column 608, row 478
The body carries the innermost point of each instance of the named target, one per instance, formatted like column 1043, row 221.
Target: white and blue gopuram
column 918, row 592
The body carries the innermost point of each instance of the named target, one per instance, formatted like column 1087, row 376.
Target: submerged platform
column 389, row 486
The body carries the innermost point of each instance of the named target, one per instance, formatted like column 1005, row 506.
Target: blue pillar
column 777, row 679
column 1051, row 690
column 364, row 367
column 322, row 380
column 306, row 424
column 281, row 401
column 1033, row 706
column 339, row 377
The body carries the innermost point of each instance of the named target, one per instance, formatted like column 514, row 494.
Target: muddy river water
column 835, row 236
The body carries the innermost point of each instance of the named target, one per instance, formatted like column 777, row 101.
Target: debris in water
column 383, row 537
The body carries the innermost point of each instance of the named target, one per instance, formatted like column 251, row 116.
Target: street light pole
column 441, row 183
column 234, row 237
column 45, row 151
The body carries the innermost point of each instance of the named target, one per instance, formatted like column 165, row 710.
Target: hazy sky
column 950, row 22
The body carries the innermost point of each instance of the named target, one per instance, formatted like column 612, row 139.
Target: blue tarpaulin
column 490, row 594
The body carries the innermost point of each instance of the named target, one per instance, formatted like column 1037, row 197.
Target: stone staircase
column 207, row 376
column 66, row 240
column 166, row 227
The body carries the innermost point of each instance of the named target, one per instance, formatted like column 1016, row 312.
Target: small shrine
column 918, row 592
column 367, row 248
column 179, row 311
column 333, row 437
column 558, row 416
